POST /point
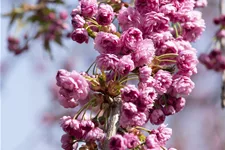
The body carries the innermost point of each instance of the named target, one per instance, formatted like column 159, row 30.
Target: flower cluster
column 44, row 21
column 201, row 3
column 156, row 139
column 215, row 59
column 77, row 130
column 153, row 47
column 73, row 87
column 14, row 45
column 56, row 25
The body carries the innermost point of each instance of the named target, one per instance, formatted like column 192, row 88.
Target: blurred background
column 30, row 112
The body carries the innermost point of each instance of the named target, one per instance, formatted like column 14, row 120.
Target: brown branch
column 113, row 121
column 223, row 91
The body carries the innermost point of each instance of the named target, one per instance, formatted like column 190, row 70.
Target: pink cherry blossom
column 107, row 43
column 105, row 14
column 144, row 53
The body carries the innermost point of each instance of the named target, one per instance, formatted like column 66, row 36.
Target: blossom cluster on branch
column 150, row 45
column 44, row 22
column 215, row 59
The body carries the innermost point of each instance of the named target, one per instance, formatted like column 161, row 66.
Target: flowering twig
column 133, row 52
column 222, row 11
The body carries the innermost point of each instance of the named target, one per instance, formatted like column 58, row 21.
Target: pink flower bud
column 220, row 34
column 151, row 141
column 144, row 73
column 163, row 81
column 163, row 134
column 146, row 6
column 107, row 43
column 157, row 117
column 205, row 59
column 182, row 85
column 200, row 3
column 125, row 65
column 67, row 102
column 129, row 109
column 155, row 22
column 112, row 28
column 129, row 17
column 95, row 134
column 131, row 140
column 63, row 15
column 67, row 142
column 13, row 40
column 169, row 110
column 77, row 21
column 146, row 99
column 107, row 61
column 117, row 142
column 105, row 14
column 88, row 7
column 69, row 125
column 51, row 16
column 130, row 39
column 187, row 60
column 129, row 93
column 80, row 35
column 75, row 12
column 74, row 87
column 179, row 104
column 87, row 125
column 144, row 53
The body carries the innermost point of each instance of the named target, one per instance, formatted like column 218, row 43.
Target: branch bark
column 223, row 91
column 113, row 122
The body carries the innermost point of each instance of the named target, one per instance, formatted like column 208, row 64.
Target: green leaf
column 47, row 10
column 33, row 18
column 48, row 48
column 58, row 40
column 13, row 18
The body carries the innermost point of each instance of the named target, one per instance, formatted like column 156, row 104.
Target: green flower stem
column 128, row 79
column 85, row 110
column 142, row 128
column 98, row 113
column 176, row 31
column 94, row 69
column 82, row 109
column 168, row 60
column 168, row 55
column 115, row 75
column 93, row 82
column 90, row 67
column 136, row 148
